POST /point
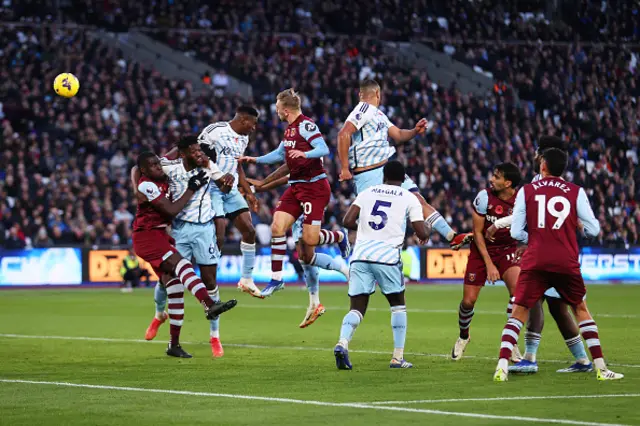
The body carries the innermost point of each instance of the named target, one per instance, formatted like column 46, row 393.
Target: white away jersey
column 227, row 144
column 370, row 144
column 199, row 209
column 384, row 210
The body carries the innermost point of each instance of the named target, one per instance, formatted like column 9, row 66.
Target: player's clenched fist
column 423, row 126
column 345, row 174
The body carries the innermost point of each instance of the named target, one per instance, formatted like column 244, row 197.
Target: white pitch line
column 310, row 402
column 291, row 348
column 508, row 398
column 417, row 310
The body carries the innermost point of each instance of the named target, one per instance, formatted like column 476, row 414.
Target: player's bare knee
column 305, row 257
column 169, row 265
column 208, row 276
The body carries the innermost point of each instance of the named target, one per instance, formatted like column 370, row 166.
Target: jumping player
column 551, row 209
column 363, row 149
column 193, row 227
column 309, row 194
column 224, row 142
column 152, row 243
column 557, row 307
column 489, row 260
column 318, row 260
column 380, row 215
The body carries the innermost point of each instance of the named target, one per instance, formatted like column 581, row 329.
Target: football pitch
column 77, row 357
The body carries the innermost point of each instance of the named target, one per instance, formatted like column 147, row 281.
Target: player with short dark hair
column 363, row 149
column 557, row 307
column 552, row 209
column 380, row 214
column 152, row 243
column 224, row 142
column 489, row 260
column 309, row 194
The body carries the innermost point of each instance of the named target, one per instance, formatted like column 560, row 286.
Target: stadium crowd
column 64, row 165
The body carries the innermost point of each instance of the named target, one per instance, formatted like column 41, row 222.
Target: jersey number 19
column 551, row 207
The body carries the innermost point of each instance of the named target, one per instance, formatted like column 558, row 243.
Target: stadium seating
column 65, row 163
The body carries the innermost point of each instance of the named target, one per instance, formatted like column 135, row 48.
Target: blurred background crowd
column 64, row 164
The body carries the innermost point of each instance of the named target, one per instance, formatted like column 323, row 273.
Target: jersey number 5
column 376, row 211
column 544, row 206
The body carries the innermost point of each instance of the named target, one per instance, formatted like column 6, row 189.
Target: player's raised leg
column 160, row 300
column 183, row 269
column 570, row 333
column 312, row 280
column 282, row 221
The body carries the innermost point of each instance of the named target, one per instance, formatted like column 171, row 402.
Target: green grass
column 287, row 362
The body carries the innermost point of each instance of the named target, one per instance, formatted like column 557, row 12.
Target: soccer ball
column 66, row 85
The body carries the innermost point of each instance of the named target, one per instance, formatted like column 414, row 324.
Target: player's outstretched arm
column 259, row 186
column 344, row 142
column 350, row 220
column 590, row 225
column 282, row 171
column 405, row 135
column 519, row 221
column 275, row 156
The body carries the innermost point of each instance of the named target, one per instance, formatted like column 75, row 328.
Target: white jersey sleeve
column 214, row 171
column 149, row 190
column 415, row 213
column 361, row 114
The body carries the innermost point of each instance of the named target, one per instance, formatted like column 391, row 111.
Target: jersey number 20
column 544, row 206
column 376, row 211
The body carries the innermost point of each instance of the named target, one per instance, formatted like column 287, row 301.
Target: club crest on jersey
column 472, row 277
column 290, row 133
column 499, row 210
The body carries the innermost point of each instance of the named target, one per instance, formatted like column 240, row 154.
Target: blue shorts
column 296, row 230
column 364, row 276
column 553, row 293
column 196, row 241
column 225, row 205
column 373, row 177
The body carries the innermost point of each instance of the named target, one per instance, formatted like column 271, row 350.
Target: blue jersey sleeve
column 320, row 148
column 481, row 202
column 275, row 156
column 586, row 216
column 519, row 222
